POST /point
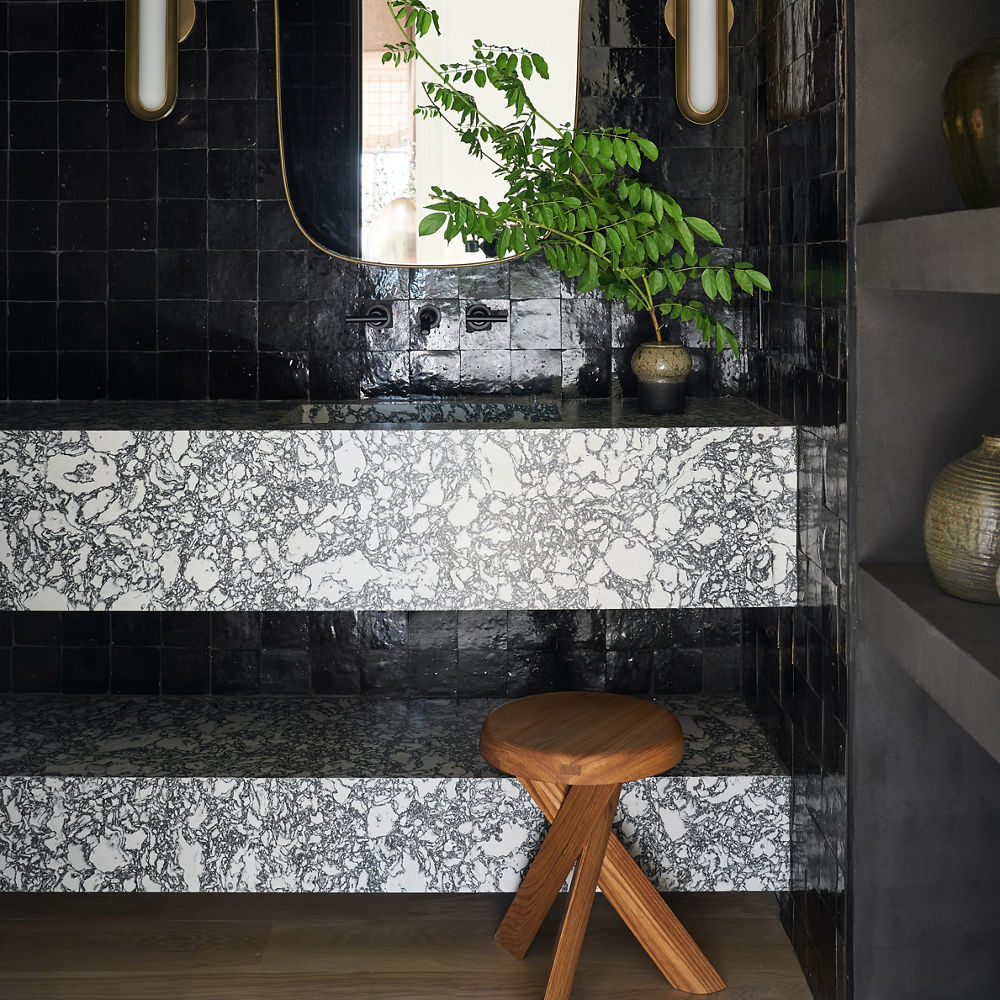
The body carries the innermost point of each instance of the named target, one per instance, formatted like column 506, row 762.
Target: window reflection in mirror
column 368, row 204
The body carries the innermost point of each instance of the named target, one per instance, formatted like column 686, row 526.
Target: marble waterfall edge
column 485, row 518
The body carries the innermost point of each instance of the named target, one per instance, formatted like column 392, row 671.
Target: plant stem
column 648, row 303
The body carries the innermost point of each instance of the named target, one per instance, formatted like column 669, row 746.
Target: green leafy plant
column 573, row 195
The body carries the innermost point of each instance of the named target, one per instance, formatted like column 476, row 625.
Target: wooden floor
column 383, row 947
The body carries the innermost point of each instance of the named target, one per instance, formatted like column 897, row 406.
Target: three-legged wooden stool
column 572, row 750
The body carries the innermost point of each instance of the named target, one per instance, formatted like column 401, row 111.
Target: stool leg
column 581, row 808
column 581, row 900
column 643, row 909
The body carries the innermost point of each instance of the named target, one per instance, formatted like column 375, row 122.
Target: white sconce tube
column 153, row 34
column 153, row 29
column 701, row 29
column 703, row 79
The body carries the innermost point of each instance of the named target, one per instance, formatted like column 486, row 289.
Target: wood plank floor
column 379, row 947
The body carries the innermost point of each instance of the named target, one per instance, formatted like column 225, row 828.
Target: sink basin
column 446, row 412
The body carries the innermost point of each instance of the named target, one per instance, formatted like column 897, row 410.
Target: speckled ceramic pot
column 971, row 123
column 662, row 370
column 962, row 524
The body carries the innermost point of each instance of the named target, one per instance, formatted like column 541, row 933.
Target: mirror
column 357, row 163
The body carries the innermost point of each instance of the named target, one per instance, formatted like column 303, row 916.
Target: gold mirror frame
column 675, row 15
column 361, row 260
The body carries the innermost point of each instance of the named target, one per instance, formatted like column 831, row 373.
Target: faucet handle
column 480, row 317
column 378, row 314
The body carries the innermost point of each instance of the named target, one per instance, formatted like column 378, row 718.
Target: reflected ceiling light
column 153, row 29
column 701, row 29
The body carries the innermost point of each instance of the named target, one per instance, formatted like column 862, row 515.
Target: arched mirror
column 358, row 164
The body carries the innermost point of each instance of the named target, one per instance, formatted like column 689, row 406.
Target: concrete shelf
column 951, row 648
column 950, row 252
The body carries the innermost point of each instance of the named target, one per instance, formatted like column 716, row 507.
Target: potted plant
column 575, row 195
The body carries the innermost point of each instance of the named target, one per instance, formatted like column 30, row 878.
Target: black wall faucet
column 480, row 317
column 377, row 314
column 428, row 318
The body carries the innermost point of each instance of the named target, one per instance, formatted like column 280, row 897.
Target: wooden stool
column 572, row 750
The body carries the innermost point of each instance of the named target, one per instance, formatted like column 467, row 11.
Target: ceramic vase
column 962, row 524
column 662, row 370
column 971, row 123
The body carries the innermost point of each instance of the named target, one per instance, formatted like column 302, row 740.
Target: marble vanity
column 463, row 505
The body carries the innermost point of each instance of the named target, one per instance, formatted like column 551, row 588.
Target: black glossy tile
column 32, row 374
column 232, row 275
column 232, row 174
column 232, row 375
column 83, row 275
column 335, row 374
column 36, row 628
column 236, row 630
column 231, row 25
column 86, row 671
column 382, row 629
column 31, row 326
column 384, row 673
column 181, row 325
column 83, row 175
column 34, row 174
column 232, row 225
column 131, row 225
column 31, row 225
column 182, row 375
column 285, row 671
column 235, row 671
column 185, row 671
column 82, row 25
column 82, row 326
column 336, row 671
column 232, row 325
column 135, row 670
column 186, row 629
column 36, row 669
column 83, row 225
column 283, row 376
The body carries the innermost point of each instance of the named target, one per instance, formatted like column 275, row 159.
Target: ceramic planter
column 962, row 524
column 971, row 123
column 662, row 370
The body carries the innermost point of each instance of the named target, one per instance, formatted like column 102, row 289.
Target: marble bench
column 347, row 795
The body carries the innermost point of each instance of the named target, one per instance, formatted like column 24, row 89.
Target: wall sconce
column 701, row 28
column 153, row 29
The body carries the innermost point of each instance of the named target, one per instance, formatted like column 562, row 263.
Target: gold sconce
column 153, row 29
column 701, row 29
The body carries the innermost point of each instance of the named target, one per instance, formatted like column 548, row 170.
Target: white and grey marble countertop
column 293, row 738
column 470, row 412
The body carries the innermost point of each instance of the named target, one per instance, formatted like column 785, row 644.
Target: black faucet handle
column 428, row 318
column 480, row 317
column 378, row 314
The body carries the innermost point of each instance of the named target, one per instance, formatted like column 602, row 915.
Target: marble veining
column 708, row 824
column 477, row 519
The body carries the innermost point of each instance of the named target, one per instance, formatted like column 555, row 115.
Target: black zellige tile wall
column 387, row 654
column 796, row 660
column 161, row 261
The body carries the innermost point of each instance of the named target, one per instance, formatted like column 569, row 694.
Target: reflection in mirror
column 358, row 164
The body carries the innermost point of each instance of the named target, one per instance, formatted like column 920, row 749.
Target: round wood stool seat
column 581, row 738
column 572, row 750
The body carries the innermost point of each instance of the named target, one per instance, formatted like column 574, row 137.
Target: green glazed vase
column 962, row 525
column 971, row 122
